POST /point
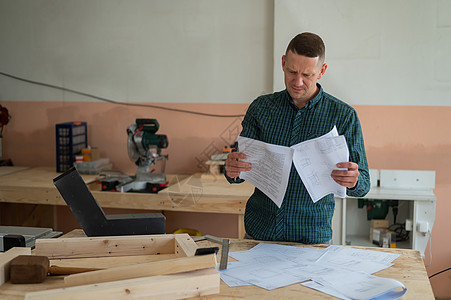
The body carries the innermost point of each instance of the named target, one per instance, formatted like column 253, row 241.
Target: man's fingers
column 348, row 177
column 348, row 165
column 234, row 166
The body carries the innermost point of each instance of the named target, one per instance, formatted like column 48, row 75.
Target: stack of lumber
column 123, row 267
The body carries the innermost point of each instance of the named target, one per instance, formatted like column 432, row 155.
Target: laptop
column 91, row 217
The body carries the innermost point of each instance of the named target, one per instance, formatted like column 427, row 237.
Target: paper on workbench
column 232, row 281
column 266, row 273
column 300, row 255
column 314, row 161
column 375, row 256
column 333, row 270
column 360, row 285
column 356, row 259
column 269, row 266
column 270, row 167
column 324, row 289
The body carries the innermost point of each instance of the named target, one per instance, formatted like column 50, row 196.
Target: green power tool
column 144, row 149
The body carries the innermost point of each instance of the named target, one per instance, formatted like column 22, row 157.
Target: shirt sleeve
column 354, row 138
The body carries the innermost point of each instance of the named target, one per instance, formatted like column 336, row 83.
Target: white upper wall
column 379, row 52
column 137, row 50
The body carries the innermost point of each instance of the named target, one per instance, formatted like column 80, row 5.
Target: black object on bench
column 91, row 217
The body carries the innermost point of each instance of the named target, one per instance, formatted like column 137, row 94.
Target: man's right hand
column 234, row 166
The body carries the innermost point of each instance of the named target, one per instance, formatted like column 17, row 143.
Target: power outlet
column 422, row 227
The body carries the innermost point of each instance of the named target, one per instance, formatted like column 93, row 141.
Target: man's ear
column 323, row 70
column 283, row 61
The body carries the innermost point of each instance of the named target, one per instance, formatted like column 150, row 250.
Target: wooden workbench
column 408, row 269
column 185, row 193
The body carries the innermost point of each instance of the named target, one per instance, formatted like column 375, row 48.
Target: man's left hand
column 349, row 177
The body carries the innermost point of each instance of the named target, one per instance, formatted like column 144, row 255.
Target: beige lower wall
column 396, row 137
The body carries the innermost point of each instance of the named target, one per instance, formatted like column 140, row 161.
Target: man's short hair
column 308, row 44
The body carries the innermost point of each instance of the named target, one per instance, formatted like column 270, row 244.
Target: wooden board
column 172, row 266
column 35, row 185
column 177, row 286
column 36, row 177
column 209, row 186
column 108, row 262
column 107, row 246
column 184, row 245
column 5, row 170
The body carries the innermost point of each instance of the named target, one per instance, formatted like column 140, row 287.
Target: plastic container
column 93, row 167
column 71, row 137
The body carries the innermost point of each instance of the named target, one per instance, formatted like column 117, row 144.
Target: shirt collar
column 311, row 103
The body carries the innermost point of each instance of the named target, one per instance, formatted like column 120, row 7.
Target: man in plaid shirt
column 300, row 112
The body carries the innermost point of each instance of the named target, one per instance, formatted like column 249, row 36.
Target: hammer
column 35, row 268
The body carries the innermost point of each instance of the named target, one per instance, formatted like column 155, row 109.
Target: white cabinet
column 416, row 203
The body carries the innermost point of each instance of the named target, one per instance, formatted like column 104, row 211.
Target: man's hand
column 233, row 165
column 347, row 178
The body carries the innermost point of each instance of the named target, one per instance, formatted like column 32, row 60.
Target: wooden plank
column 209, row 186
column 108, row 262
column 5, row 170
column 173, row 266
column 36, row 177
column 35, row 185
column 59, row 270
column 5, row 261
column 184, row 245
column 178, row 286
column 105, row 246
column 241, row 229
column 218, row 203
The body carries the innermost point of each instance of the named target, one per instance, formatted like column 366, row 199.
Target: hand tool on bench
column 28, row 269
column 224, row 249
column 35, row 268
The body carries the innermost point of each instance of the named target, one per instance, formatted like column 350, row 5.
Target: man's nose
column 299, row 81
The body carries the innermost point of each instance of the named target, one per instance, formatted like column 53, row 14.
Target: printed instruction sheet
column 314, row 161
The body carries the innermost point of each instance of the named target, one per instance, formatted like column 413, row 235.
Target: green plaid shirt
column 275, row 119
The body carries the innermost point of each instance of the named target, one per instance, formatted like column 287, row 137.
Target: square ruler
column 224, row 248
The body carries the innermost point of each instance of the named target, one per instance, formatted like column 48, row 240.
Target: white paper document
column 351, row 259
column 324, row 289
column 267, row 275
column 314, row 161
column 342, row 272
column 299, row 255
column 362, row 254
column 270, row 167
column 360, row 285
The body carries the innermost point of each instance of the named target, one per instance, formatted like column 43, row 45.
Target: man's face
column 301, row 75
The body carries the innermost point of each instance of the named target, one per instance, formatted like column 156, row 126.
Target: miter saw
column 144, row 149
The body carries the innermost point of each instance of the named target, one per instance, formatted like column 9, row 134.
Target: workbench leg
column 241, row 230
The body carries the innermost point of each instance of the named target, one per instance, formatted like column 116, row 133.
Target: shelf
column 364, row 241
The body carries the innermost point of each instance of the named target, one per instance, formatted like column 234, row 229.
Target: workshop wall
column 215, row 57
column 396, row 137
column 379, row 52
column 137, row 51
